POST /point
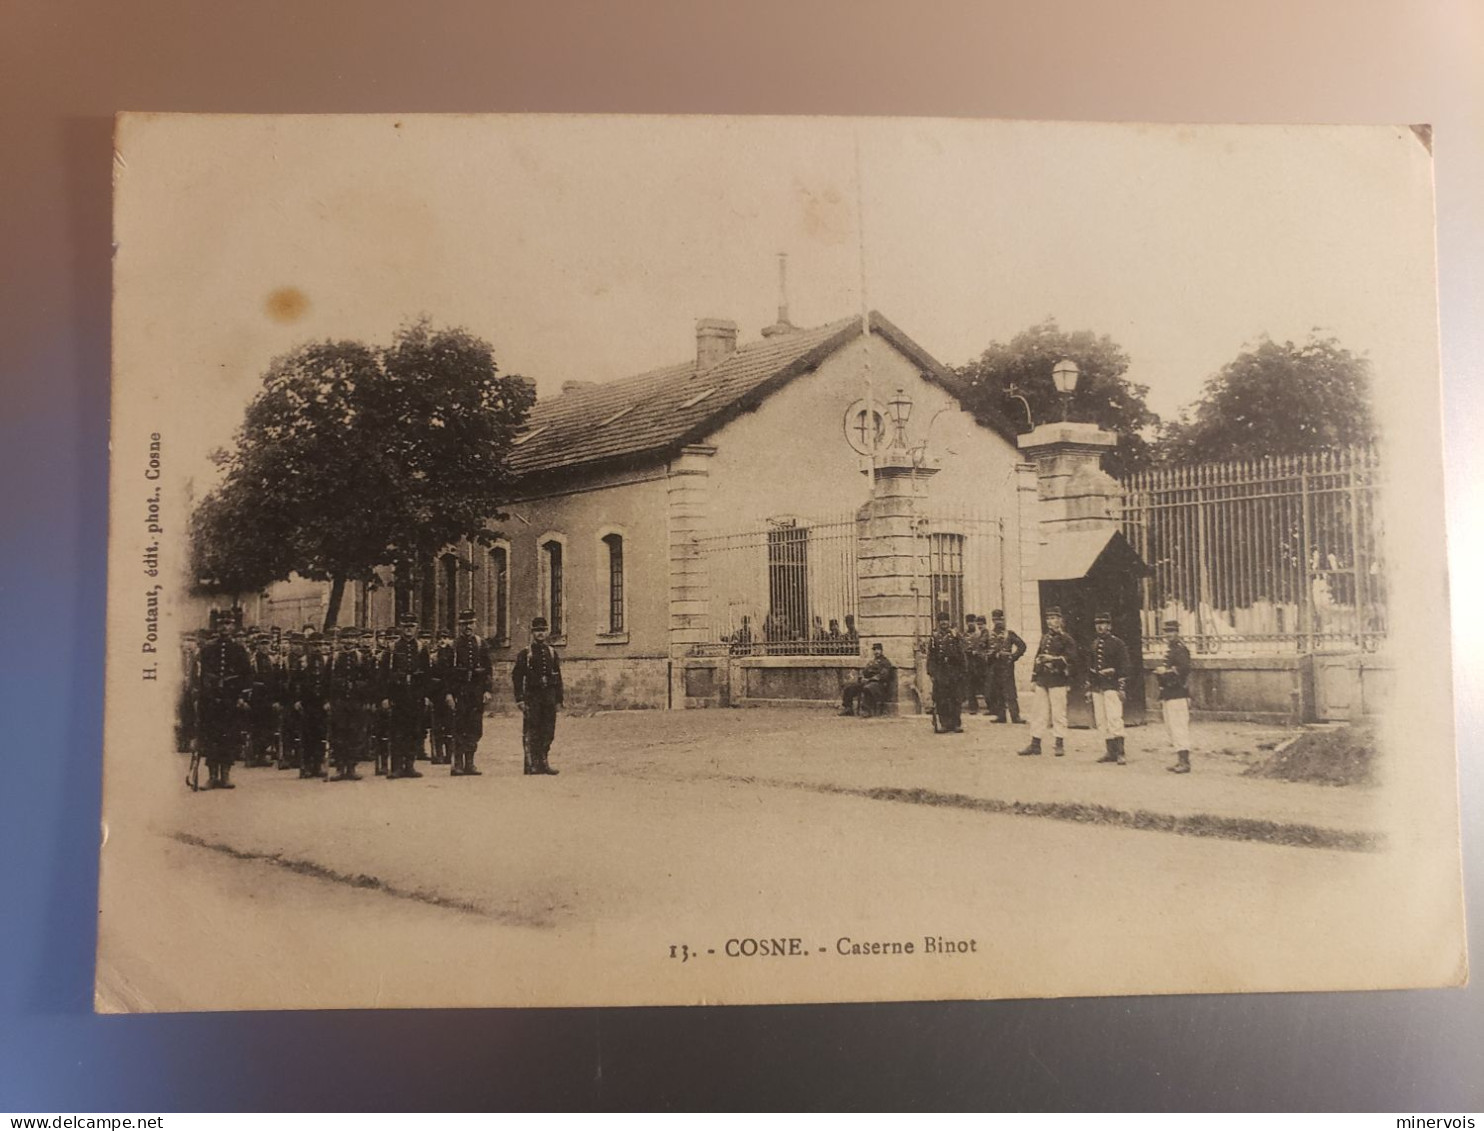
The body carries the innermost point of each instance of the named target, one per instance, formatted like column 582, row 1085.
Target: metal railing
column 1260, row 556
column 784, row 588
column 791, row 587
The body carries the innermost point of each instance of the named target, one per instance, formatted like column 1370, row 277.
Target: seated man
column 867, row 693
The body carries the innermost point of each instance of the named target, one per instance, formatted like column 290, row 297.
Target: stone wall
column 591, row 684
column 1282, row 689
column 766, row 681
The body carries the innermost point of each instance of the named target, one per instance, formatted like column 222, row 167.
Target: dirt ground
column 690, row 829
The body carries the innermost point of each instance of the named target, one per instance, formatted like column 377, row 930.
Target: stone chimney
column 715, row 339
column 573, row 386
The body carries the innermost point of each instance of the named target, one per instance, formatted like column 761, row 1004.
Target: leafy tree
column 1277, row 399
column 1021, row 368
column 356, row 457
column 220, row 526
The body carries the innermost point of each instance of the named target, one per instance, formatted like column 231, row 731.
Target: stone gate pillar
column 688, row 510
column 889, row 574
column 1073, row 492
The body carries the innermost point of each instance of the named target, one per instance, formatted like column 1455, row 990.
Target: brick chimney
column 715, row 339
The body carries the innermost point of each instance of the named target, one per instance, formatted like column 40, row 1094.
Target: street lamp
column 1065, row 376
column 900, row 407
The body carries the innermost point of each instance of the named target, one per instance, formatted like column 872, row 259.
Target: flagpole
column 865, row 311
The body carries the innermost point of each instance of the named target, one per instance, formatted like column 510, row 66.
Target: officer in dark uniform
column 309, row 687
column 469, row 681
column 374, row 644
column 1050, row 678
column 538, row 693
column 1107, row 683
column 1005, row 647
column 1173, row 675
column 293, row 733
column 947, row 666
column 429, row 701
column 224, row 679
column 440, row 693
column 265, row 703
column 976, row 664
column 403, row 684
column 189, row 692
column 352, row 681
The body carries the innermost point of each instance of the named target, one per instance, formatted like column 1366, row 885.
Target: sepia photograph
column 606, row 560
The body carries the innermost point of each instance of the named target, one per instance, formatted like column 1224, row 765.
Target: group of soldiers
column 959, row 663
column 311, row 701
column 975, row 663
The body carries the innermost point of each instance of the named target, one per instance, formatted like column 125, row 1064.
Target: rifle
column 193, row 775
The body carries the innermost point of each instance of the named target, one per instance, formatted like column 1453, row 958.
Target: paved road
column 662, row 832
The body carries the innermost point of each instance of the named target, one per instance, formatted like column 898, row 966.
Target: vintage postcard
column 568, row 560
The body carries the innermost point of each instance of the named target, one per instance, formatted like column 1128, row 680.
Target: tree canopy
column 1021, row 367
column 356, row 457
column 1277, row 399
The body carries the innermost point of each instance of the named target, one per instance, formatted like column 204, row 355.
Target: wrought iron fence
column 784, row 588
column 791, row 587
column 1272, row 555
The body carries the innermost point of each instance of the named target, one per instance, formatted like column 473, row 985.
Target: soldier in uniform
column 1050, row 678
column 425, row 717
column 1107, row 683
column 403, row 680
column 224, row 674
column 947, row 666
column 309, row 688
column 351, row 685
column 265, row 703
column 468, row 682
column 185, row 701
column 293, row 736
column 1173, row 675
column 440, row 694
column 866, row 694
column 538, row 693
column 374, row 645
column 976, row 664
column 1005, row 647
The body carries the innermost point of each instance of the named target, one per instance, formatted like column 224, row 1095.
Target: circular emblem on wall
column 865, row 428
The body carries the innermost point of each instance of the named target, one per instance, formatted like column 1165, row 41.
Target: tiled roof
column 655, row 413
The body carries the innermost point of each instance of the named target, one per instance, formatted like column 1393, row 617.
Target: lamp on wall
column 1065, row 376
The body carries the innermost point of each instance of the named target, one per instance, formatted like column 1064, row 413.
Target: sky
column 587, row 247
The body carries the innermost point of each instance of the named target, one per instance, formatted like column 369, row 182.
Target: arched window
column 614, row 545
column 553, row 583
